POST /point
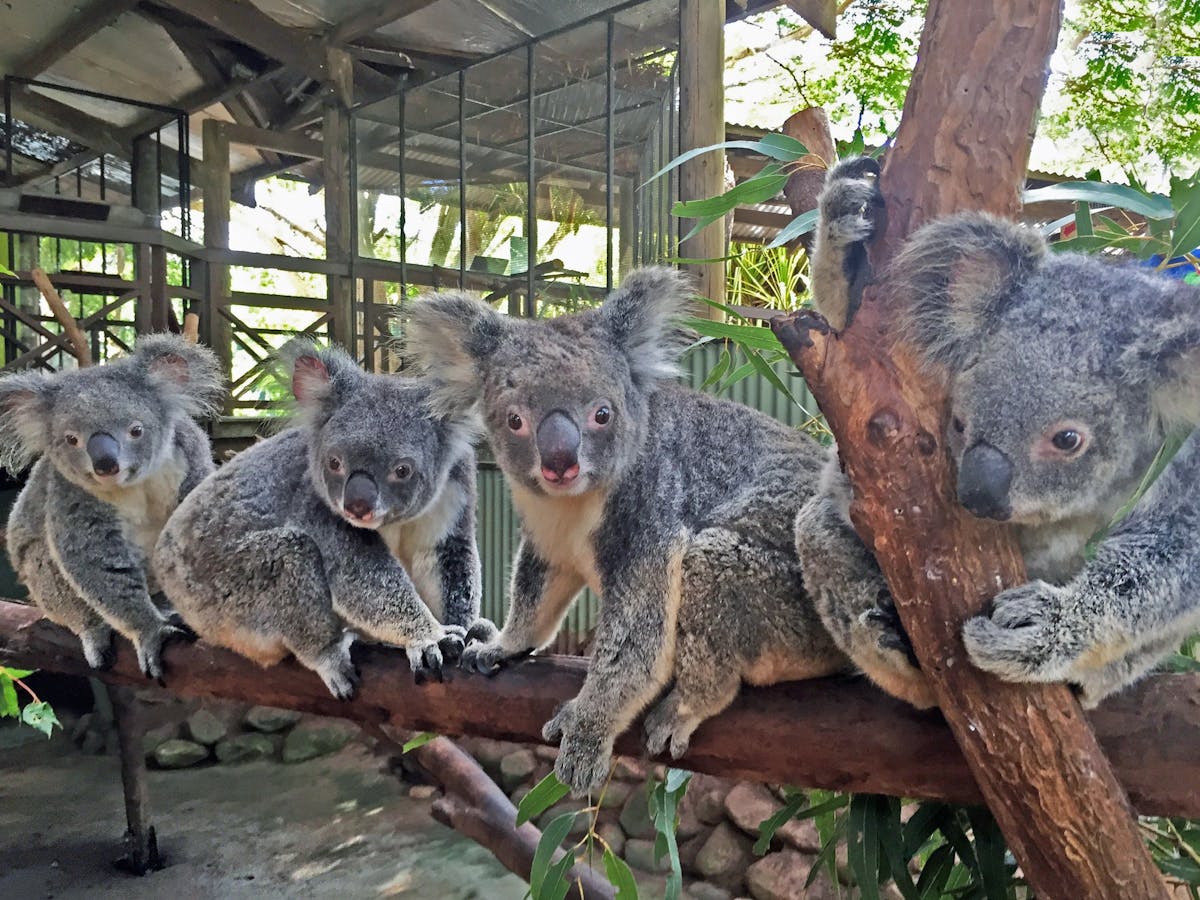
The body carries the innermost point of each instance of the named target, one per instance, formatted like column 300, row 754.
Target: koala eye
column 602, row 416
column 1068, row 440
column 335, row 464
column 136, row 430
column 73, row 440
column 403, row 470
column 515, row 422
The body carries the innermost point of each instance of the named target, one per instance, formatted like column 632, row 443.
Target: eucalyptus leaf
column 8, row 697
column 620, row 876
column 1153, row 206
column 544, row 795
column 540, row 884
column 419, row 740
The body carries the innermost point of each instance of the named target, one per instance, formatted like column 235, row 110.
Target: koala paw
column 884, row 620
column 426, row 660
column 584, row 753
column 452, row 643
column 150, row 647
column 487, row 658
column 667, row 730
column 98, row 648
column 341, row 676
column 851, row 202
column 1022, row 638
column 482, row 631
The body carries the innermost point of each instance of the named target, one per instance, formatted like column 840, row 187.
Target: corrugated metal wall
column 499, row 531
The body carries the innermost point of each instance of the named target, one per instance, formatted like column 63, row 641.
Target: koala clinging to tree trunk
column 674, row 506
column 362, row 516
column 118, row 450
column 1067, row 375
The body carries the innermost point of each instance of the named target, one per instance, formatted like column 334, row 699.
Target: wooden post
column 216, row 192
column 962, row 144
column 701, row 123
column 78, row 340
column 141, row 843
column 339, row 202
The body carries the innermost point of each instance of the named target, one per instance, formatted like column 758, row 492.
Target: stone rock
column 689, row 849
column 689, row 824
column 635, row 814
column 615, row 794
column 179, row 754
column 309, row 740
column 155, row 736
column 781, row 876
column 706, row 798
column 702, row 890
column 724, row 857
column 548, row 754
column 244, row 747
column 205, row 727
column 613, row 836
column 269, row 720
column 516, row 768
column 520, row 794
column 423, row 791
column 639, row 853
column 749, row 805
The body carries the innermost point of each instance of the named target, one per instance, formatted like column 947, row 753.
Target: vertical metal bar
column 79, row 182
column 9, row 130
column 103, row 185
column 462, row 178
column 367, row 309
column 158, row 179
column 609, row 151
column 185, row 178
column 403, row 204
column 531, row 190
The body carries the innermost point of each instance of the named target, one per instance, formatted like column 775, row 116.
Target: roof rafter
column 86, row 21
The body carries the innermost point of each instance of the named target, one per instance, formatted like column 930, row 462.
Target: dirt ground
column 339, row 826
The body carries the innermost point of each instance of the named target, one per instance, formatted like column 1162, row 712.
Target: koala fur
column 674, row 506
column 116, row 449
column 1066, row 373
column 361, row 516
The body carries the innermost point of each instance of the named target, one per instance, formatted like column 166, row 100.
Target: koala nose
column 558, row 446
column 360, row 496
column 103, row 451
column 984, row 477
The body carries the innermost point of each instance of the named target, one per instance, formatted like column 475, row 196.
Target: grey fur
column 265, row 558
column 81, row 542
column 1035, row 345
column 680, row 516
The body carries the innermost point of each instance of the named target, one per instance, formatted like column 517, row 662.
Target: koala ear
column 26, row 399
column 955, row 276
column 315, row 371
column 449, row 337
column 190, row 373
column 1164, row 350
column 643, row 317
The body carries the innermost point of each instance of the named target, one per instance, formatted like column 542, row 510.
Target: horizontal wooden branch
column 839, row 734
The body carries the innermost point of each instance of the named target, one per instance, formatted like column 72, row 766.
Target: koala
column 361, row 516
column 117, row 450
column 675, row 507
column 1067, row 374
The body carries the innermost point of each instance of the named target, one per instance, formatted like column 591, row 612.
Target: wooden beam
column 339, row 199
column 215, row 191
column 838, row 734
column 84, row 22
column 254, row 28
column 701, row 123
column 373, row 17
column 289, row 142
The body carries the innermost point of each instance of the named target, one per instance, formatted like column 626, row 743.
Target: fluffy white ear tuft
column 1164, row 350
column 314, row 370
column 26, row 399
column 643, row 317
column 449, row 337
column 189, row 372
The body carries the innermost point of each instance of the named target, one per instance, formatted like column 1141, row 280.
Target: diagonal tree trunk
column 964, row 143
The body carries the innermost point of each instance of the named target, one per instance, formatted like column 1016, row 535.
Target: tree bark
column 838, row 734
column 964, row 143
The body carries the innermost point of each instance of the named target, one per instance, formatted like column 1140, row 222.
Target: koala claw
column 341, row 676
column 665, row 731
column 487, row 658
column 885, row 620
column 482, row 631
column 1018, row 641
column 426, row 662
column 584, row 756
column 452, row 643
column 150, row 648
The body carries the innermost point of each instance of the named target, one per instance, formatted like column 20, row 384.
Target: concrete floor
column 337, row 827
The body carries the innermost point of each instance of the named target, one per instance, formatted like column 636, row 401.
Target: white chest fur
column 561, row 529
column 144, row 507
column 414, row 543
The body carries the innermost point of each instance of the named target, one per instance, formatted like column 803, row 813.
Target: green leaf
column 544, row 795
column 40, row 716
column 620, row 876
column 1179, row 664
column 16, row 673
column 540, row 884
column 756, row 189
column 8, row 697
column 1083, row 220
column 1186, row 237
column 768, row 827
column 557, row 881
column 717, row 372
column 802, row 224
column 827, row 858
column 766, row 371
column 989, row 850
column 775, row 146
column 891, row 842
column 677, row 781
column 664, row 803
column 1153, row 206
column 745, row 336
column 920, row 827
column 741, row 372
column 5, row 270
column 1184, row 868
column 862, row 847
column 935, row 872
column 419, row 740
